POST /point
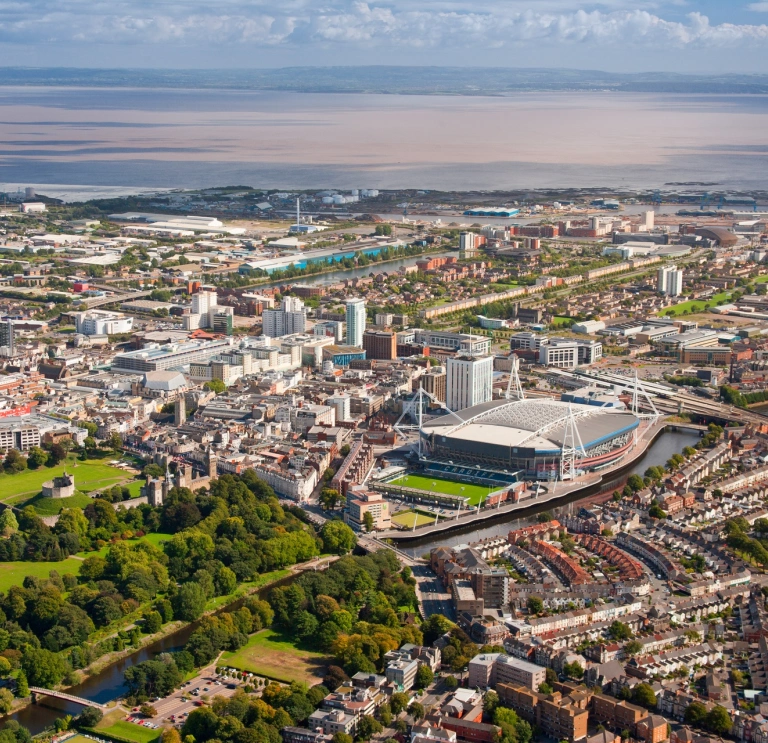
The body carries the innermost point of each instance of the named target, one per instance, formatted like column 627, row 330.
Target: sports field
column 406, row 518
column 13, row 573
column 130, row 731
column 474, row 493
column 270, row 654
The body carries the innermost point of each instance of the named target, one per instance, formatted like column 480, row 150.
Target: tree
column 337, row 537
column 490, row 703
column 367, row 727
column 115, row 442
column 42, row 667
column 656, row 512
column 398, row 702
column 148, row 710
column 451, row 683
column 6, row 701
column 695, row 714
column 535, row 605
column 644, row 695
column 632, row 648
column 89, row 717
column 37, row 457
column 416, row 711
column 8, row 523
column 22, row 686
column 424, row 677
column 56, row 455
column 14, row 462
column 171, row 735
column 215, row 385
column 189, row 602
column 368, row 521
column 718, row 721
column 545, row 688
column 341, row 738
column 573, row 670
column 619, row 631
column 635, row 482
column 329, row 498
column 435, row 626
column 152, row 622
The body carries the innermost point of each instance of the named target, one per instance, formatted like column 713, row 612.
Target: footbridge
column 40, row 691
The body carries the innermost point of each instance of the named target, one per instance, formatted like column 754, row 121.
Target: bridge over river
column 40, row 691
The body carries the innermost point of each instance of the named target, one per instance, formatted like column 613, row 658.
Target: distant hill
column 393, row 80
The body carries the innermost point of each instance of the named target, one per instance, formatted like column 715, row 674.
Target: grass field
column 52, row 506
column 270, row 654
column 406, row 519
column 89, row 475
column 474, row 493
column 558, row 322
column 13, row 573
column 130, row 731
column 694, row 305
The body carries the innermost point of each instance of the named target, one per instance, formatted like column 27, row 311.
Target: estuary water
column 124, row 138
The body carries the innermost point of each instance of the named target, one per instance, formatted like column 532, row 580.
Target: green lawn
column 474, row 493
column 694, row 305
column 52, row 506
column 407, row 518
column 558, row 322
column 276, row 656
column 131, row 731
column 89, row 475
column 13, row 573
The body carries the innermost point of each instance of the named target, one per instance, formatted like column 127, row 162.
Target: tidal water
column 128, row 138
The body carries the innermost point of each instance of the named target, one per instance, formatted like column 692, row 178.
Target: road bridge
column 40, row 691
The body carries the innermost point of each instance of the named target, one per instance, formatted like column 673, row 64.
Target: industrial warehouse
column 534, row 439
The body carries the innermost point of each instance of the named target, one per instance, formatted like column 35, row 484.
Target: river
column 107, row 684
column 658, row 453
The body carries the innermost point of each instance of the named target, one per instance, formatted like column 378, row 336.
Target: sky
column 696, row 36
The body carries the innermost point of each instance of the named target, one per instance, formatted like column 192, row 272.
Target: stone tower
column 180, row 412
column 212, row 464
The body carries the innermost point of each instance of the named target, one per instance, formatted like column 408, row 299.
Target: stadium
column 531, row 439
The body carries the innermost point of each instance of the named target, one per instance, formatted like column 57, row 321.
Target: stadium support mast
column 514, row 387
column 638, row 391
column 415, row 411
column 571, row 445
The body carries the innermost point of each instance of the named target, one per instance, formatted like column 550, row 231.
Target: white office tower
column 467, row 245
column 469, row 381
column 290, row 318
column 203, row 301
column 341, row 404
column 355, row 322
column 670, row 281
column 649, row 219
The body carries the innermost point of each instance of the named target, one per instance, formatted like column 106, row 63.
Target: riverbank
column 173, row 636
column 554, row 498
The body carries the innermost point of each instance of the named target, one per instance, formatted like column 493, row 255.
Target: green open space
column 89, row 476
column 410, row 518
column 694, row 305
column 559, row 322
column 51, row 506
column 474, row 493
column 130, row 731
column 13, row 573
column 271, row 654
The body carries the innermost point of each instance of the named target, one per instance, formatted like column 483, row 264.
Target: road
column 434, row 598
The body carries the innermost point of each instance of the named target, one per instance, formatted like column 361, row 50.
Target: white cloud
column 419, row 23
column 759, row 7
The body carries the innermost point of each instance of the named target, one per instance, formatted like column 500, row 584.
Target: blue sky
column 707, row 36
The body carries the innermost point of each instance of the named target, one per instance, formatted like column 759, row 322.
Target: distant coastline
column 392, row 80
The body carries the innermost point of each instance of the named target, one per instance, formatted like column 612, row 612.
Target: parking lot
column 175, row 708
